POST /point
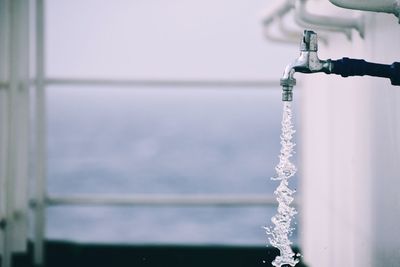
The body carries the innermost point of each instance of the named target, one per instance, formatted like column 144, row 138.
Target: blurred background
column 205, row 119
column 157, row 123
column 143, row 101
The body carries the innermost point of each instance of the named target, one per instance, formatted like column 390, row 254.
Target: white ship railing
column 41, row 199
column 161, row 199
column 165, row 83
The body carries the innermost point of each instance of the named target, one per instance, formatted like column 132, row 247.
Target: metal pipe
column 276, row 14
column 278, row 38
column 386, row 6
column 277, row 11
column 303, row 25
column 293, row 36
column 329, row 23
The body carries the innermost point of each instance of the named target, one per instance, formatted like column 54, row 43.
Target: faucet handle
column 309, row 42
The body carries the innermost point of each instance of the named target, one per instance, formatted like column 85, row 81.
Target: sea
column 181, row 141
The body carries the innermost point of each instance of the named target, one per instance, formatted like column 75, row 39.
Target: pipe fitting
column 287, row 88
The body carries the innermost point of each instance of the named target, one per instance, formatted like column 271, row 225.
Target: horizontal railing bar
column 161, row 200
column 178, row 83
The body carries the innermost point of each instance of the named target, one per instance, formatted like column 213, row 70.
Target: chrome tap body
column 308, row 62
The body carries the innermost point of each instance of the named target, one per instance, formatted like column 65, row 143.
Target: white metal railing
column 163, row 199
column 14, row 128
column 13, row 179
column 142, row 200
column 176, row 83
column 41, row 199
column 40, row 135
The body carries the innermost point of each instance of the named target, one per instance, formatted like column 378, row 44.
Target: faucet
column 308, row 62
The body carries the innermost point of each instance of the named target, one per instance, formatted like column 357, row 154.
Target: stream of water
column 281, row 230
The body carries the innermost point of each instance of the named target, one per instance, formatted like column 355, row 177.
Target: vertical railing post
column 15, row 72
column 4, row 74
column 40, row 136
column 19, row 87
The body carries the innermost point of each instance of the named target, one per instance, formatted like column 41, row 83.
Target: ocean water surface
column 161, row 141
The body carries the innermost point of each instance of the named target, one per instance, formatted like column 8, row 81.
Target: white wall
column 385, row 142
column 350, row 132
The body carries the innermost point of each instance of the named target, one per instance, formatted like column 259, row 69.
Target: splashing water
column 280, row 232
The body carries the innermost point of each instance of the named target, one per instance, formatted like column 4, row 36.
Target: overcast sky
column 162, row 39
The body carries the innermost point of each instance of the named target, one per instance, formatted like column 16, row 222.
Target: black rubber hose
column 359, row 67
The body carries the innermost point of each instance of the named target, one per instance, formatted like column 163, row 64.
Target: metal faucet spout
column 307, row 62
